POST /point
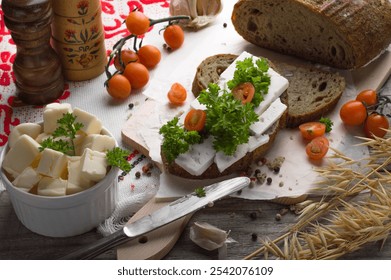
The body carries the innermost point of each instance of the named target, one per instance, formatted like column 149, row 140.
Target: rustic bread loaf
column 343, row 34
column 312, row 92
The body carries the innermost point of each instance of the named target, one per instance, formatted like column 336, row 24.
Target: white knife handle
column 98, row 247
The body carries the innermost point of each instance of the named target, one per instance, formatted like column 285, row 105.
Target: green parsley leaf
column 200, row 192
column 247, row 71
column 228, row 120
column 117, row 157
column 328, row 122
column 67, row 129
column 177, row 140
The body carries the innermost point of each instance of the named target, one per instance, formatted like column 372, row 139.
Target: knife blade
column 163, row 216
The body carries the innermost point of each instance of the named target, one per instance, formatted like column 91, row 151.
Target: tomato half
column 368, row 96
column 317, row 148
column 195, row 120
column 177, row 94
column 244, row 92
column 353, row 112
column 375, row 125
column 310, row 130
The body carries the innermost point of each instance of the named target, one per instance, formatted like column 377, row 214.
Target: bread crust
column 343, row 34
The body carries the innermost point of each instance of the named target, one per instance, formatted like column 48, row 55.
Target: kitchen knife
column 163, row 216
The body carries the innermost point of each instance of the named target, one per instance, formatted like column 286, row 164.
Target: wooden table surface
column 232, row 214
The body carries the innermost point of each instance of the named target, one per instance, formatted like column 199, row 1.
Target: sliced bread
column 312, row 92
column 343, row 34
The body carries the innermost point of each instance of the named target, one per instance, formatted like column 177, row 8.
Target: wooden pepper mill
column 78, row 38
column 37, row 68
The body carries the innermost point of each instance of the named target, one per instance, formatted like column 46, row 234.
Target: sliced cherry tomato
column 149, row 55
column 317, row 148
column 174, row 36
column 137, row 23
column 244, row 92
column 369, row 97
column 127, row 56
column 118, row 86
column 353, row 112
column 310, row 130
column 177, row 94
column 376, row 125
column 195, row 120
column 137, row 74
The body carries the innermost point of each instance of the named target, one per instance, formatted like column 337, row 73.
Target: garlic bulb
column 202, row 12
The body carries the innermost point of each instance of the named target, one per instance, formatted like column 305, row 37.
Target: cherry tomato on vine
column 177, row 94
column 317, row 148
column 195, row 120
column 369, row 97
column 118, row 86
column 149, row 56
column 375, row 125
column 353, row 112
column 310, row 130
column 137, row 74
column 244, row 92
column 137, row 23
column 127, row 56
column 174, row 36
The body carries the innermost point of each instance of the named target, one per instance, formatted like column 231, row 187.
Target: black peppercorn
column 269, row 180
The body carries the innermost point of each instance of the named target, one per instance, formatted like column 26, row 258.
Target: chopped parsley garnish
column 200, row 192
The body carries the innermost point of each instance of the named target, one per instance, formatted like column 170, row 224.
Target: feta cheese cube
column 76, row 181
column 52, row 163
column 91, row 124
column 31, row 129
column 52, row 113
column 93, row 165
column 27, row 179
column 24, row 153
column 51, row 187
column 98, row 142
column 269, row 117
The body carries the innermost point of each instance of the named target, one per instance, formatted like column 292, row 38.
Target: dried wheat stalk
column 340, row 223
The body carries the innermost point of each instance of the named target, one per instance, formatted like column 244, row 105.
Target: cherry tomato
column 149, row 55
column 353, row 112
column 310, row 130
column 174, row 36
column 137, row 74
column 244, row 92
column 317, row 148
column 118, row 86
column 137, row 23
column 368, row 97
column 177, row 94
column 127, row 56
column 375, row 125
column 195, row 120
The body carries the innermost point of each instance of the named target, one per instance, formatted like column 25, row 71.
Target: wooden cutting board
column 158, row 243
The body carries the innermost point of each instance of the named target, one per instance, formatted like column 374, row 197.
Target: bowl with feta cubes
column 58, row 172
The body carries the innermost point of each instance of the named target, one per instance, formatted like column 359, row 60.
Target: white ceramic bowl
column 64, row 216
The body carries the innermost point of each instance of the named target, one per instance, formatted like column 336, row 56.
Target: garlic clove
column 202, row 12
column 207, row 236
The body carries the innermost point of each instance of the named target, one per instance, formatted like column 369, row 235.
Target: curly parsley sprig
column 255, row 73
column 117, row 157
column 177, row 140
